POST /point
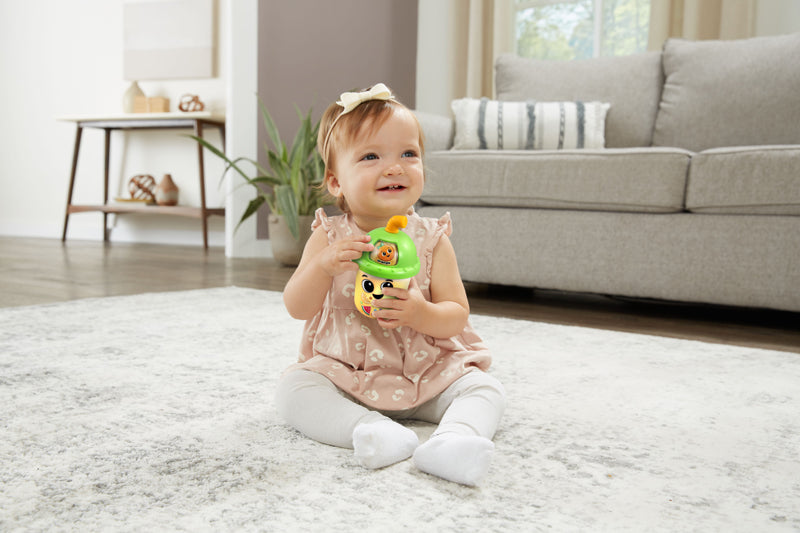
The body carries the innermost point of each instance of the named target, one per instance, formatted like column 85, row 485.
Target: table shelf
column 177, row 210
column 143, row 121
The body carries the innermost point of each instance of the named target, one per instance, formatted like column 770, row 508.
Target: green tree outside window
column 580, row 29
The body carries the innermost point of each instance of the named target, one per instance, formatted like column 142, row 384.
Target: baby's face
column 381, row 174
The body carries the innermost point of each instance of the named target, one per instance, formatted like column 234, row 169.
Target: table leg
column 78, row 134
column 198, row 131
column 105, row 177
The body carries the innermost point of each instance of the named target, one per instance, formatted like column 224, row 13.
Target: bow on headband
column 350, row 101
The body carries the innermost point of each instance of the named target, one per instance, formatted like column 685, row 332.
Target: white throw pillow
column 494, row 125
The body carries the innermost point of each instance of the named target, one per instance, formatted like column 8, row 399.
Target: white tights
column 468, row 413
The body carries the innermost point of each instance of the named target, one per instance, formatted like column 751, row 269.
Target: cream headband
column 350, row 101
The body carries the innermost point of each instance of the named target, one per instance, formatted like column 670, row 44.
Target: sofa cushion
column 437, row 129
column 761, row 180
column 721, row 259
column 730, row 93
column 490, row 124
column 638, row 179
column 631, row 84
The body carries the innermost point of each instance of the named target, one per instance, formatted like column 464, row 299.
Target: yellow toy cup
column 392, row 263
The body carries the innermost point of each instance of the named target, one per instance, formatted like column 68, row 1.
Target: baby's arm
column 446, row 314
column 321, row 262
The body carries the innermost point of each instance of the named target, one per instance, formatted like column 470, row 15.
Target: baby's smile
column 392, row 188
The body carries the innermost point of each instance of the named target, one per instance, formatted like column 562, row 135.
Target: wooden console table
column 143, row 121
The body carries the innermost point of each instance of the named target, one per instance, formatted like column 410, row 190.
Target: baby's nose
column 394, row 169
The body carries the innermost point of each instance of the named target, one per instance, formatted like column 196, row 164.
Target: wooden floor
column 38, row 271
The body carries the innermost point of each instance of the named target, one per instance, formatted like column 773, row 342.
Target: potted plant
column 292, row 187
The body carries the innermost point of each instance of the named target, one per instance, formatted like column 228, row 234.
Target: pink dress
column 386, row 369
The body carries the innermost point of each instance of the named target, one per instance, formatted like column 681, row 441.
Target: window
column 580, row 29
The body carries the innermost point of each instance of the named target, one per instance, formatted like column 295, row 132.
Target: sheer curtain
column 486, row 29
column 700, row 19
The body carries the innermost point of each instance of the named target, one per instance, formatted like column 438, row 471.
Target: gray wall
column 309, row 51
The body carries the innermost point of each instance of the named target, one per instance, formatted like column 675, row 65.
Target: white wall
column 64, row 57
column 242, row 126
column 437, row 42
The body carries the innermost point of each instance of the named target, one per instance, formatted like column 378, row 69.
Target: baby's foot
column 382, row 443
column 462, row 459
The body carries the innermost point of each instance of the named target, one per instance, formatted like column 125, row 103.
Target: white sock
column 382, row 443
column 459, row 458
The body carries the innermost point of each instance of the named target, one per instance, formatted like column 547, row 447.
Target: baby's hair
column 365, row 119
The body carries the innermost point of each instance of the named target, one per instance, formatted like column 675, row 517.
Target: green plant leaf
column 287, row 206
column 252, row 208
column 267, row 180
column 302, row 140
column 229, row 163
column 293, row 184
column 269, row 125
column 280, row 168
column 233, row 164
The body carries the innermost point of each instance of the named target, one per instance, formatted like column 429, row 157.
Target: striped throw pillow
column 494, row 125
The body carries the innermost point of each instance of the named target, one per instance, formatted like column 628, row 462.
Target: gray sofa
column 695, row 197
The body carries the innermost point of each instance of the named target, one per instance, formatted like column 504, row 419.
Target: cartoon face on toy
column 384, row 253
column 392, row 262
column 369, row 291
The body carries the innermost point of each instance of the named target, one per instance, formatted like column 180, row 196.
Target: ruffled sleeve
column 321, row 219
column 443, row 226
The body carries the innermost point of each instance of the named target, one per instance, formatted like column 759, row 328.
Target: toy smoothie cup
column 392, row 263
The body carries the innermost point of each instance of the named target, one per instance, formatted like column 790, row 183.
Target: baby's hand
column 403, row 309
column 338, row 257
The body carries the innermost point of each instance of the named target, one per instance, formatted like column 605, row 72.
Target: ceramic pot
column 129, row 97
column 166, row 192
column 286, row 250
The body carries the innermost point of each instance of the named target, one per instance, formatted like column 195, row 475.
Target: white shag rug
column 155, row 413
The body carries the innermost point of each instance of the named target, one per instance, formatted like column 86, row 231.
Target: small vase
column 129, row 98
column 166, row 191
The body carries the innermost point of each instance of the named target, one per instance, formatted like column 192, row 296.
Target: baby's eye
column 369, row 157
column 409, row 153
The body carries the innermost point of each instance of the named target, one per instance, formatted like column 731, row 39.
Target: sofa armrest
column 438, row 131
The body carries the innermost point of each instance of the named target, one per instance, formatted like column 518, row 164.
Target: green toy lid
column 394, row 256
